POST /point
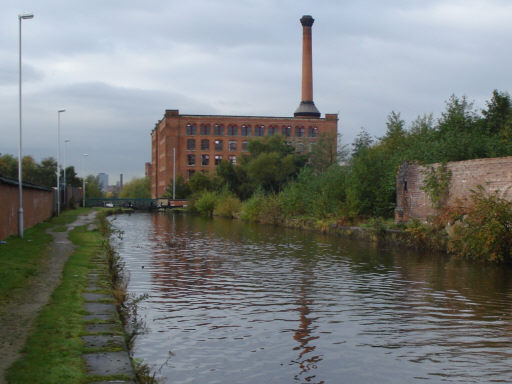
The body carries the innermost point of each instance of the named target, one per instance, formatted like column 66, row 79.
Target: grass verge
column 53, row 352
column 21, row 259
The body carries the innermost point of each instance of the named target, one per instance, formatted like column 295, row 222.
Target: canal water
column 231, row 302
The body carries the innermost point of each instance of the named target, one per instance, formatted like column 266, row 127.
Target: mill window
column 232, row 130
column 218, row 129
column 246, row 130
column 204, row 129
column 191, row 129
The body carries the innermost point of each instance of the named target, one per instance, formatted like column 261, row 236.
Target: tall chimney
column 307, row 106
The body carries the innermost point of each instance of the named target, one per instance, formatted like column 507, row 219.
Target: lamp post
column 24, row 16
column 58, row 159
column 65, row 185
column 83, row 178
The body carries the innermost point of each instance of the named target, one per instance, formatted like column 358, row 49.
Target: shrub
column 485, row 231
column 227, row 205
column 206, row 202
column 251, row 208
column 270, row 210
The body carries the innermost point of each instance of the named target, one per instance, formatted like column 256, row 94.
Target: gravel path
column 17, row 318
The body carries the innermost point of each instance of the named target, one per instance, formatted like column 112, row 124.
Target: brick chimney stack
column 307, row 106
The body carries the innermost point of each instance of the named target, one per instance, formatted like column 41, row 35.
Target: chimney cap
column 307, row 21
column 307, row 109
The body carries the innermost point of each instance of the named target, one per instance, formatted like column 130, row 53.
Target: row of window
column 205, row 160
column 218, row 145
column 247, row 130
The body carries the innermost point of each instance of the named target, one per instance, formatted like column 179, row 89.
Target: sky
column 116, row 66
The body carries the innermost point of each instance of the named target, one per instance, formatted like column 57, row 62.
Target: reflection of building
column 103, row 181
column 197, row 143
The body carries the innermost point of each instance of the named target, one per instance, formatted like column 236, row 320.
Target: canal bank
column 75, row 334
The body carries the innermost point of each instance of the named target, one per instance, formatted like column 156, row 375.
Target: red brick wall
column 171, row 133
column 37, row 206
column 493, row 174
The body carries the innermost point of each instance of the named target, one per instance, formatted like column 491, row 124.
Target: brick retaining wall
column 494, row 174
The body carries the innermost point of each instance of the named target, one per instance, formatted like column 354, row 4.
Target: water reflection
column 306, row 360
column 245, row 303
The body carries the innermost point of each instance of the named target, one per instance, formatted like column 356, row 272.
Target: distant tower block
column 307, row 106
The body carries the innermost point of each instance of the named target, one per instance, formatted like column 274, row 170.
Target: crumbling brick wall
column 494, row 174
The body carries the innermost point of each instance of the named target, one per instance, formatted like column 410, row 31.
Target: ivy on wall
column 437, row 184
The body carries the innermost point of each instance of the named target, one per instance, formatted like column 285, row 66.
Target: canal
column 231, row 302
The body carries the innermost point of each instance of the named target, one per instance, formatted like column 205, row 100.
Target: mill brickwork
column 185, row 144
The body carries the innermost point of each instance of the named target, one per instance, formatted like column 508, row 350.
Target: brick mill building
column 186, row 144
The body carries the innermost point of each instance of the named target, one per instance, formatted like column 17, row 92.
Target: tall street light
column 83, row 178
column 58, row 159
column 24, row 16
column 65, row 185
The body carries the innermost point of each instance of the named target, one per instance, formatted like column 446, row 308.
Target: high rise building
column 103, row 181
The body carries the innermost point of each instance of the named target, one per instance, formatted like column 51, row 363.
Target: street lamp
column 20, row 180
column 58, row 159
column 83, row 178
column 65, row 185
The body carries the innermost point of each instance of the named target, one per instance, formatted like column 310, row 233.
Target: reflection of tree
column 306, row 360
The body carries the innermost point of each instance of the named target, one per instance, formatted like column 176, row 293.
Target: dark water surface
column 231, row 302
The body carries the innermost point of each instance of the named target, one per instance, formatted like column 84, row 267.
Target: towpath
column 17, row 318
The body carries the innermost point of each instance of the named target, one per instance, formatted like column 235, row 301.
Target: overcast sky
column 115, row 66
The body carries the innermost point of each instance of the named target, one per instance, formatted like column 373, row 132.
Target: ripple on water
column 234, row 302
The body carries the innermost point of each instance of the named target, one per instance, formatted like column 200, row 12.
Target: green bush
column 251, row 208
column 227, row 204
column 205, row 204
column 270, row 210
column 485, row 231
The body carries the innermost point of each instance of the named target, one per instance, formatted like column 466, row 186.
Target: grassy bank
column 20, row 259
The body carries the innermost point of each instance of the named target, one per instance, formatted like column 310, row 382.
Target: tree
column 324, row 152
column 71, row 177
column 271, row 171
column 138, row 188
column 498, row 113
column 8, row 166
column 270, row 144
column 47, row 172
column 199, row 182
column 92, row 187
column 182, row 189
column 362, row 141
column 225, row 171
column 371, row 182
column 395, row 131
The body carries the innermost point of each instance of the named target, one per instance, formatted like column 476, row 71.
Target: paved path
column 108, row 354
